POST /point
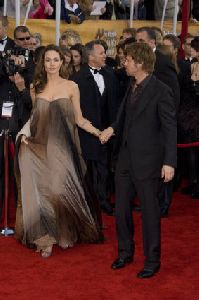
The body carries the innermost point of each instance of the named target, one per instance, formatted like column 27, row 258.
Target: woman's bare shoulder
column 70, row 88
column 70, row 84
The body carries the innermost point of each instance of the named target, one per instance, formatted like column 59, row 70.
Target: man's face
column 22, row 39
column 131, row 67
column 33, row 43
column 3, row 30
column 63, row 42
column 142, row 37
column 187, row 47
column 98, row 56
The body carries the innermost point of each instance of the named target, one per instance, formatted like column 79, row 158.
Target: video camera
column 10, row 65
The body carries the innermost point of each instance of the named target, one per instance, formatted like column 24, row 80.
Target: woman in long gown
column 55, row 206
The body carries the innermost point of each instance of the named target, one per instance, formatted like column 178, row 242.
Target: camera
column 9, row 62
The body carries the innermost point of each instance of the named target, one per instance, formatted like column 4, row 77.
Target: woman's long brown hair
column 40, row 75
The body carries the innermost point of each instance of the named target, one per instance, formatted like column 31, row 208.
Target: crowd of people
column 81, row 119
column 76, row 11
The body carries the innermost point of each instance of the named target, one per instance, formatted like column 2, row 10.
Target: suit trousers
column 127, row 186
column 98, row 170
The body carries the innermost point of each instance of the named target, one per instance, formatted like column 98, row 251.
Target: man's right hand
column 167, row 173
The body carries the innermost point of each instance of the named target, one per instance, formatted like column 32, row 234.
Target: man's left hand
column 167, row 173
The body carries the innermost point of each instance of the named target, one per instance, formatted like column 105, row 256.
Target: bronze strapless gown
column 55, row 203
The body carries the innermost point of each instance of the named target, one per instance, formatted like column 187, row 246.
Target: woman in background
column 77, row 56
column 68, row 60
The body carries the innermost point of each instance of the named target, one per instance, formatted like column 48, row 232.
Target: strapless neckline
column 41, row 98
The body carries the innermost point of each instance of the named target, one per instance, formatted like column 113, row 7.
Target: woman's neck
column 53, row 78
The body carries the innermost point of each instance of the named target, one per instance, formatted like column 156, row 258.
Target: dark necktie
column 2, row 41
column 136, row 93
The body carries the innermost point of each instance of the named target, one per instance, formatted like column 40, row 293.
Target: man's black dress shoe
column 121, row 263
column 147, row 273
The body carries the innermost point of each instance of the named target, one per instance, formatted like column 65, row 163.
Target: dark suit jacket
column 184, row 78
column 165, row 71
column 151, row 133
column 9, row 45
column 92, row 109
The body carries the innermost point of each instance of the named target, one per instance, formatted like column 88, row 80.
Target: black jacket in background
column 165, row 72
column 9, row 45
column 90, row 102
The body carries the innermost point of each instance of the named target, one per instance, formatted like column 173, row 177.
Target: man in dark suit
column 98, row 100
column 147, row 117
column 5, row 42
column 165, row 71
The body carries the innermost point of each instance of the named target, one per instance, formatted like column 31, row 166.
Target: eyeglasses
column 27, row 38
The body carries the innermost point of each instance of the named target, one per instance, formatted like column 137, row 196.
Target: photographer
column 15, row 102
column 22, row 39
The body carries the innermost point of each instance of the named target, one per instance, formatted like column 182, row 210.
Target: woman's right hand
column 24, row 139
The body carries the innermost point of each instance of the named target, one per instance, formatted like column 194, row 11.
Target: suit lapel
column 128, row 89
column 9, row 45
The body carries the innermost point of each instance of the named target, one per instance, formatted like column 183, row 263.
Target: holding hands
column 106, row 134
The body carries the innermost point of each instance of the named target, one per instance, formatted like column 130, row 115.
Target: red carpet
column 83, row 273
